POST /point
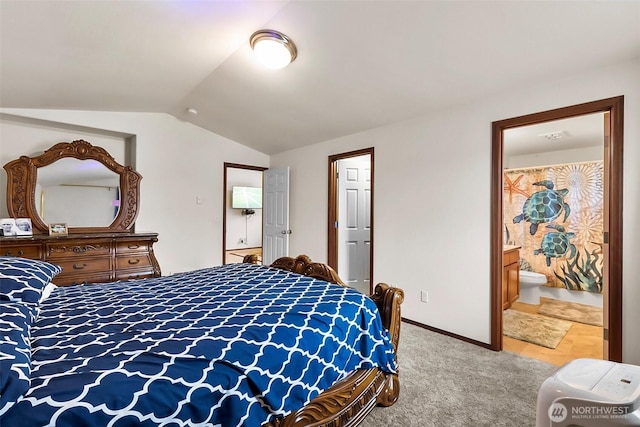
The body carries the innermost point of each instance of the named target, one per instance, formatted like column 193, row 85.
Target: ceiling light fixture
column 273, row 49
column 554, row 135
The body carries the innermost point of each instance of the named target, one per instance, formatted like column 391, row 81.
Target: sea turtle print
column 543, row 206
column 556, row 243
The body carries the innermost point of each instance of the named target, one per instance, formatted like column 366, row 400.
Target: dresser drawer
column 132, row 261
column 90, row 257
column 132, row 247
column 134, row 274
column 23, row 251
column 85, row 265
column 75, row 279
column 60, row 250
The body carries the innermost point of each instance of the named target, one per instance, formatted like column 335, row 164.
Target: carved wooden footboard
column 349, row 401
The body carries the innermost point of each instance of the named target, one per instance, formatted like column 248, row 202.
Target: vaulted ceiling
column 360, row 65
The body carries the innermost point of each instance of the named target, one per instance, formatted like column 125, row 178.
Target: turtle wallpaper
column 555, row 213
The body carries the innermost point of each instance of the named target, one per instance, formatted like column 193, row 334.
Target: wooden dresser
column 91, row 257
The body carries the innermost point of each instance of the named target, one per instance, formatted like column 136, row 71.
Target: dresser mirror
column 74, row 183
column 62, row 184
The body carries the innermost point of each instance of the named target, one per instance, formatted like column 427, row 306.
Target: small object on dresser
column 8, row 226
column 23, row 227
column 58, row 229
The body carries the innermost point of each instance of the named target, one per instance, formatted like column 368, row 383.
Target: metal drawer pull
column 134, row 246
column 79, row 267
column 134, row 261
column 20, row 253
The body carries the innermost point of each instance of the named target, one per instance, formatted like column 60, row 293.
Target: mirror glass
column 80, row 193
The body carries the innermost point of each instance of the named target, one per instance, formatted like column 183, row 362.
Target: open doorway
column 611, row 236
column 242, row 212
column 554, row 308
column 351, row 217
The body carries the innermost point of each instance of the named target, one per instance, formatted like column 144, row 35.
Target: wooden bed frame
column 347, row 402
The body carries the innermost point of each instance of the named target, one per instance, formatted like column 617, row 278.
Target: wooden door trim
column 228, row 165
column 615, row 106
column 332, row 255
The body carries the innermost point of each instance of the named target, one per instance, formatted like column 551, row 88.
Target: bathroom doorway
column 602, row 246
column 557, row 314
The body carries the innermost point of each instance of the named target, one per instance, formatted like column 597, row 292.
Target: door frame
column 332, row 246
column 614, row 149
column 228, row 165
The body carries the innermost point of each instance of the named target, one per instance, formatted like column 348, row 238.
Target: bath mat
column 571, row 311
column 539, row 330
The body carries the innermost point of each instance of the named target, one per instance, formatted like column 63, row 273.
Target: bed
column 235, row 345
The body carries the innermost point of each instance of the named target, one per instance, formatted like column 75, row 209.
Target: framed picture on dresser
column 23, row 227
column 58, row 229
column 8, row 226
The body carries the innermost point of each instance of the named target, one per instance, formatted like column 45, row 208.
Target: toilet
column 530, row 283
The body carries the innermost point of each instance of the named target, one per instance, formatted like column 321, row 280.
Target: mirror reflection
column 80, row 193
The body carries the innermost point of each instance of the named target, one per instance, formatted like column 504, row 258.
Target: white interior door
column 275, row 214
column 354, row 222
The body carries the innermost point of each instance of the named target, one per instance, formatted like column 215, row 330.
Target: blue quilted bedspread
column 235, row 345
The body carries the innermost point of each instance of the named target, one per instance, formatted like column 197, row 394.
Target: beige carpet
column 539, row 330
column 571, row 311
column 446, row 382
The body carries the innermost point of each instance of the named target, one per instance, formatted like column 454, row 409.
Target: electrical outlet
column 424, row 296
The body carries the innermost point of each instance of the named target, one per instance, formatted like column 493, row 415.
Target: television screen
column 246, row 198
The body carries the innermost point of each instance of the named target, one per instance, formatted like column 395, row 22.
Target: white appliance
column 590, row 393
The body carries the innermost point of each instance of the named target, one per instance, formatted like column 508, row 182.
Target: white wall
column 239, row 225
column 24, row 136
column 178, row 162
column 432, row 200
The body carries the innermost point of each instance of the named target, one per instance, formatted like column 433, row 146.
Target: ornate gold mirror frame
column 22, row 176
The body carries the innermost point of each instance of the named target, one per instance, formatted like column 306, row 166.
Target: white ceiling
column 360, row 65
column 575, row 133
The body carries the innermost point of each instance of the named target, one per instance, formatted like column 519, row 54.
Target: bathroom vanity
column 510, row 275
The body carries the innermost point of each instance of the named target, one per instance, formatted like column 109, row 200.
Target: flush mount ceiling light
column 273, row 49
column 554, row 135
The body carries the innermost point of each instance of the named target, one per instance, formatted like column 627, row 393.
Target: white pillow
column 47, row 291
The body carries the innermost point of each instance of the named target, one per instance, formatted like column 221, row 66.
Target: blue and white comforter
column 235, row 345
